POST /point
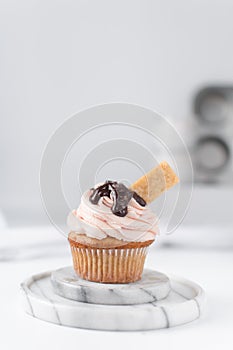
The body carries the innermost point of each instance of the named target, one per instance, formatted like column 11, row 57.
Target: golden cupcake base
column 122, row 264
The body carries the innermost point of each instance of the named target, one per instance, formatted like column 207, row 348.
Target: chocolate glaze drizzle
column 119, row 193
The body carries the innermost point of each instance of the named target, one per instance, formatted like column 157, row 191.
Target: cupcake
column 110, row 233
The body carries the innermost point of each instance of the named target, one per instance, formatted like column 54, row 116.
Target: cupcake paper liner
column 117, row 265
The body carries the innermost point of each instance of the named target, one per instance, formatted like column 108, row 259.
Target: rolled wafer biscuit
column 155, row 182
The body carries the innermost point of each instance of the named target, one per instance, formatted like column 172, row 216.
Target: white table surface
column 211, row 268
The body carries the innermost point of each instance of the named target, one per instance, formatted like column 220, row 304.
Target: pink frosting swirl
column 98, row 221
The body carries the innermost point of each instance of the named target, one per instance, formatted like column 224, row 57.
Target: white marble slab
column 153, row 286
column 183, row 304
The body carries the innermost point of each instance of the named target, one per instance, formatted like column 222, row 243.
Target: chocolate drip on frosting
column 119, row 193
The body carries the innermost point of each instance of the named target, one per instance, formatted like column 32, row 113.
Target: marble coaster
column 183, row 304
column 153, row 286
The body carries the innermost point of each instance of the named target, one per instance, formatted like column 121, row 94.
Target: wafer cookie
column 155, row 182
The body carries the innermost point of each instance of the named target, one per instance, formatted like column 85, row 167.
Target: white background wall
column 58, row 57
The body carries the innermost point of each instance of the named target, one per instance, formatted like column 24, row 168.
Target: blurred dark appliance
column 213, row 145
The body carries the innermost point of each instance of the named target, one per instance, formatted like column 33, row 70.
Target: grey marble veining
column 153, row 286
column 183, row 304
